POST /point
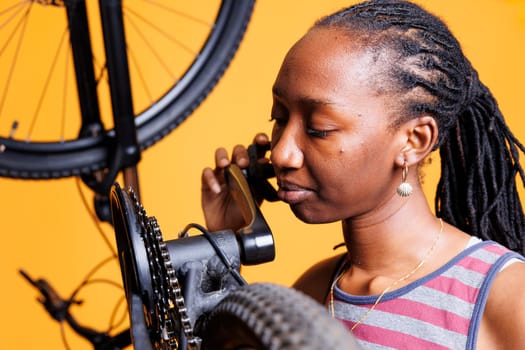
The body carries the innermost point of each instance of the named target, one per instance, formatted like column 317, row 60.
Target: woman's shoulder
column 503, row 320
column 316, row 281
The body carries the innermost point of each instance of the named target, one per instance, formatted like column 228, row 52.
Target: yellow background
column 47, row 231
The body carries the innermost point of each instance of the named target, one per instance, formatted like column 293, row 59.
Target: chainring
column 147, row 271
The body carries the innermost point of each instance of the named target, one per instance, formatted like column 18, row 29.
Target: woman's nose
column 286, row 149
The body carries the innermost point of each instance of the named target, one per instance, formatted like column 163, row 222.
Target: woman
column 359, row 102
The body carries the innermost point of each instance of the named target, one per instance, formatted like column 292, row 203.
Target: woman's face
column 332, row 147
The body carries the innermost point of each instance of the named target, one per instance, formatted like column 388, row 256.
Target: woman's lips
column 292, row 193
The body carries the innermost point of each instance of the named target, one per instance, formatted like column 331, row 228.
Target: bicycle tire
column 85, row 155
column 266, row 316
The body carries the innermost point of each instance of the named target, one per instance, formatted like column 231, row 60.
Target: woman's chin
column 311, row 215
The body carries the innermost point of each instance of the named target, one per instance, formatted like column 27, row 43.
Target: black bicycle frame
column 126, row 150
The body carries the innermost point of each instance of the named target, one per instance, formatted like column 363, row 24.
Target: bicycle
column 100, row 147
column 99, row 141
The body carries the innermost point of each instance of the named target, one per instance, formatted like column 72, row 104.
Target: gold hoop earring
column 404, row 189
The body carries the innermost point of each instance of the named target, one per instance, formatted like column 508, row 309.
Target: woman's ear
column 420, row 135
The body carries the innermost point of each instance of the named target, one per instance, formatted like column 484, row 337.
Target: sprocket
column 170, row 311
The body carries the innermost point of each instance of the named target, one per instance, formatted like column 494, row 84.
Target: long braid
column 479, row 154
column 492, row 209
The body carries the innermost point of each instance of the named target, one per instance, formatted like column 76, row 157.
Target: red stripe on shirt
column 394, row 339
column 454, row 287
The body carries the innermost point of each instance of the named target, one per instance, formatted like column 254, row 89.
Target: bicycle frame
column 126, row 150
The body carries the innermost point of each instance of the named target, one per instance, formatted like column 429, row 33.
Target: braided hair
column 479, row 154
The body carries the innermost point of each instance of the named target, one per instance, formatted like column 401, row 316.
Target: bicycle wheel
column 265, row 316
column 186, row 46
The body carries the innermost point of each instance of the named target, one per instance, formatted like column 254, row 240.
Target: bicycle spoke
column 181, row 14
column 164, row 33
column 23, row 23
column 64, row 99
column 155, row 52
column 46, row 86
column 20, row 4
column 133, row 61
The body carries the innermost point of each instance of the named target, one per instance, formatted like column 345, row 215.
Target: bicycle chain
column 167, row 291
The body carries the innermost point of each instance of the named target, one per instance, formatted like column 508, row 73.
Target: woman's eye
column 317, row 133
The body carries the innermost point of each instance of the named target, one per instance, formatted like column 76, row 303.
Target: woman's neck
column 390, row 241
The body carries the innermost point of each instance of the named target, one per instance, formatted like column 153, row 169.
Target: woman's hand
column 220, row 210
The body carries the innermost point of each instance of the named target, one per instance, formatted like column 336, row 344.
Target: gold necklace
column 408, row 275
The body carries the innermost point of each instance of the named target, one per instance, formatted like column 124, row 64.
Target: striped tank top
column 442, row 310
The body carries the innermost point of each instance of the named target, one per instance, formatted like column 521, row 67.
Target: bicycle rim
column 29, row 158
